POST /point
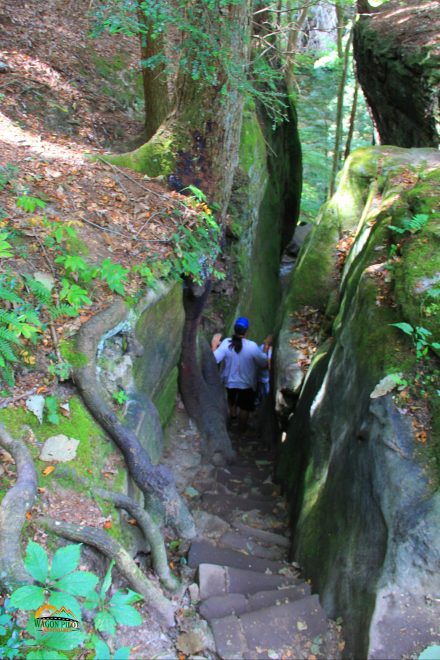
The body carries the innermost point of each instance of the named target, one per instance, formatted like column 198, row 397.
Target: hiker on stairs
column 241, row 359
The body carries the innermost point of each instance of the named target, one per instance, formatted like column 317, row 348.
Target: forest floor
column 65, row 97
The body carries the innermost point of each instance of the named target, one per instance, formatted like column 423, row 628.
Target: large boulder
column 361, row 462
column 396, row 47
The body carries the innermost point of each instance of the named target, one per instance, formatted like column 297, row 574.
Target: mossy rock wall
column 363, row 484
column 264, row 210
column 159, row 330
column 139, row 358
column 397, row 61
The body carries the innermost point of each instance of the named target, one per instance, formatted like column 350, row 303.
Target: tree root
column 100, row 540
column 15, row 504
column 200, row 385
column 156, row 482
column 151, row 533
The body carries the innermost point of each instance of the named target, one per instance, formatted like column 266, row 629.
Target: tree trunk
column 340, row 116
column 292, row 46
column 351, row 121
column 155, row 84
column 200, row 384
column 198, row 141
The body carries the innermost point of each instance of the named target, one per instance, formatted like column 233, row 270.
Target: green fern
column 9, row 295
column 7, row 374
column 6, row 349
column 62, row 310
column 41, row 293
column 9, row 319
column 8, row 335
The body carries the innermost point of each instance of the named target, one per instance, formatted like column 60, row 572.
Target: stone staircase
column 256, row 603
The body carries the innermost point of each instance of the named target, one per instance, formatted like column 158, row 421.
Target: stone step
column 262, row 490
column 217, row 607
column 217, row 580
column 225, row 505
column 269, row 538
column 247, row 472
column 274, row 629
column 203, row 552
column 243, row 543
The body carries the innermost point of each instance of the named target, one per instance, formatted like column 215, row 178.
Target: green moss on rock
column 156, row 157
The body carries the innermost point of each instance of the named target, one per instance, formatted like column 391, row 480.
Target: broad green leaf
column 436, row 345
column 28, row 598
column 62, row 641
column 80, row 583
column 107, row 580
column 65, row 560
column 59, row 599
column 91, row 601
column 104, row 622
column 36, row 561
column 126, row 615
column 102, row 651
column 430, row 653
column 405, row 327
column 123, row 653
column 128, row 598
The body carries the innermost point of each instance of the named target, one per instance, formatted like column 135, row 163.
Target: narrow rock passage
column 256, row 603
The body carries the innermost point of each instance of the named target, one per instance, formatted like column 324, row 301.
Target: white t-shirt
column 240, row 370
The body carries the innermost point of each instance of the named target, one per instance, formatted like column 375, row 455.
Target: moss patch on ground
column 97, row 460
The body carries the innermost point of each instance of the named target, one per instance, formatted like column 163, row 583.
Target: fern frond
column 7, row 351
column 41, row 293
column 8, row 335
column 8, row 319
column 63, row 310
column 10, row 296
column 8, row 375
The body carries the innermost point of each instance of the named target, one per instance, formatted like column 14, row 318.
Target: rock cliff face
column 397, row 55
column 361, row 461
column 263, row 212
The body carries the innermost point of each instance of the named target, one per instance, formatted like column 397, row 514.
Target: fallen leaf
column 301, row 625
column 41, row 490
column 28, row 515
column 132, row 521
column 108, row 524
column 48, row 470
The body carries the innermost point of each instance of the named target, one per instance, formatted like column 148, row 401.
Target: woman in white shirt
column 241, row 359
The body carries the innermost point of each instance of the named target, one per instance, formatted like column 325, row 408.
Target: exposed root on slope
column 151, row 532
column 15, row 504
column 155, row 481
column 202, row 392
column 100, row 540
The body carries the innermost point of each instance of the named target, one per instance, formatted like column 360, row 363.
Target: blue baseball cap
column 242, row 322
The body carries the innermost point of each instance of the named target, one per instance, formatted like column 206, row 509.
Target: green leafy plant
column 60, row 584
column 5, row 246
column 51, row 409
column 419, row 336
column 114, row 275
column 74, row 294
column 61, row 370
column 11, row 642
column 431, row 652
column 29, row 203
column 411, row 225
column 120, row 397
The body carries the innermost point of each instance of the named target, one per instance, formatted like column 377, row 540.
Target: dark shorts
column 244, row 399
